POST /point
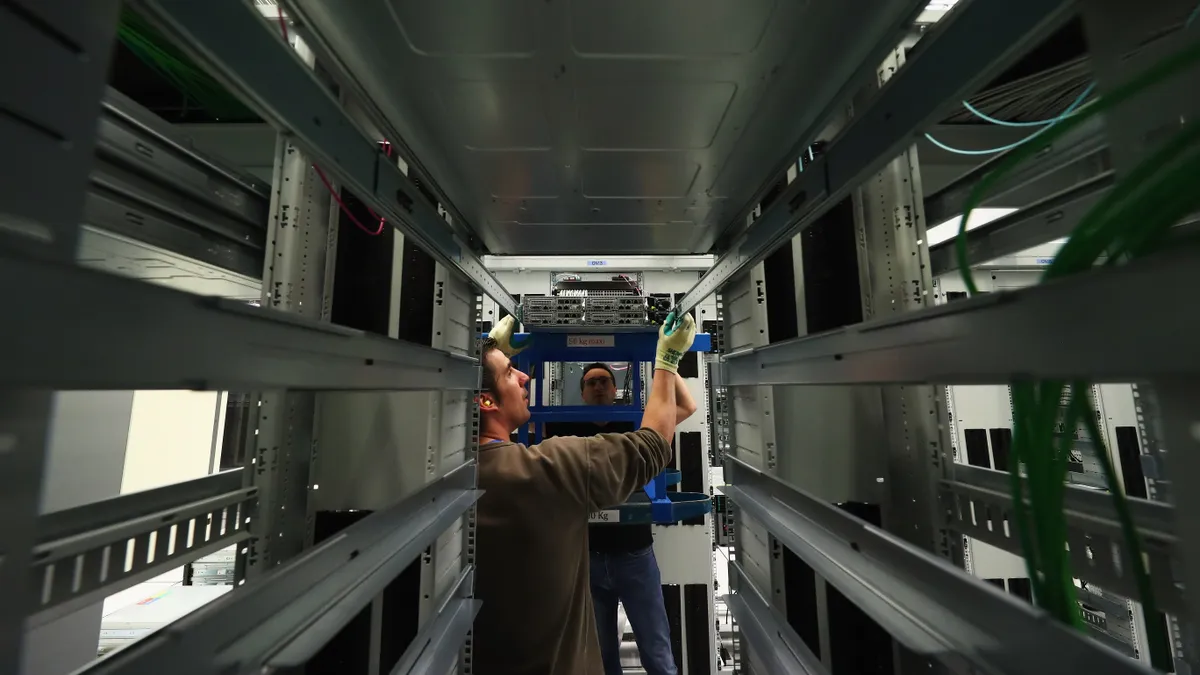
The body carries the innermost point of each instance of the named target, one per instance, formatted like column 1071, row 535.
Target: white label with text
column 609, row 516
column 591, row 341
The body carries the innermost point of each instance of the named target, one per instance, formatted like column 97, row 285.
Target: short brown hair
column 487, row 379
column 590, row 367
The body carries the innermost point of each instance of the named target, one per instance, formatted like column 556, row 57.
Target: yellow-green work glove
column 502, row 333
column 674, row 340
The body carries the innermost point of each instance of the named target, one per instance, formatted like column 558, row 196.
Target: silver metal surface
column 593, row 126
column 1049, row 219
column 1079, row 156
column 143, row 337
column 438, row 644
column 133, row 137
column 139, row 537
column 998, row 337
column 297, row 279
column 52, row 129
column 978, row 503
column 94, row 516
column 772, row 637
column 973, row 43
column 291, row 612
column 248, row 53
column 932, row 608
column 25, row 418
column 50, row 132
column 895, row 280
column 374, row 573
column 172, row 223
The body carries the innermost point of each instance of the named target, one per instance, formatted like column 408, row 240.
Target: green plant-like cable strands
column 1124, row 204
column 148, row 45
column 1023, row 153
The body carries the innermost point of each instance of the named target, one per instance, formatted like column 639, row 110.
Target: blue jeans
column 634, row 580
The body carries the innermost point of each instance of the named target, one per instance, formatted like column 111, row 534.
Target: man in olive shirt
column 531, row 540
column 623, row 566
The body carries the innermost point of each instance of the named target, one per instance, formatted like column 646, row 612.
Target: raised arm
column 615, row 465
column 662, row 413
column 685, row 405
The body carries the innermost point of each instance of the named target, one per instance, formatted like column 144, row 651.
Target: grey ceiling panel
column 637, row 175
column 495, row 115
column 478, row 28
column 669, row 28
column 651, row 115
column 550, row 123
column 514, row 174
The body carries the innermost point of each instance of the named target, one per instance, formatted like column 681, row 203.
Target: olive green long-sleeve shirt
column 532, row 550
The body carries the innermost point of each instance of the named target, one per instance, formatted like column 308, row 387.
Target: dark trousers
column 633, row 580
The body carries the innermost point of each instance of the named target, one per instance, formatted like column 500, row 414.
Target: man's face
column 511, row 401
column 598, row 387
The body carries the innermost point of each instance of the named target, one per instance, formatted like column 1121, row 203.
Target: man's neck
column 491, row 434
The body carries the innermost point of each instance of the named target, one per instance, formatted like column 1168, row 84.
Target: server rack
column 902, row 344
column 897, row 577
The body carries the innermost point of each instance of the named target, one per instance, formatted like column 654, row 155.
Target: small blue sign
column 597, row 263
column 1045, row 261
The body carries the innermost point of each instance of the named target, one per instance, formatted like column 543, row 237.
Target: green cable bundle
column 149, row 45
column 1131, row 221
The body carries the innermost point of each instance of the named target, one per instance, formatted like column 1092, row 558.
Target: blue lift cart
column 656, row 505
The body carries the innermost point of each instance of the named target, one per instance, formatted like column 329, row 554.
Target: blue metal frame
column 629, row 347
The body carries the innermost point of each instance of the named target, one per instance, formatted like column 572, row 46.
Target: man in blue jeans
column 623, row 567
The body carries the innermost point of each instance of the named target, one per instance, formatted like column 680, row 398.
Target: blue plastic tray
column 680, row 506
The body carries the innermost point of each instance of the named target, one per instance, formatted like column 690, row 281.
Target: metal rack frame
column 906, row 580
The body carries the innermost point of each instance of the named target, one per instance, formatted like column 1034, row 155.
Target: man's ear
column 486, row 402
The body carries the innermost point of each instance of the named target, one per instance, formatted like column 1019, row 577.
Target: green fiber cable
column 1124, row 204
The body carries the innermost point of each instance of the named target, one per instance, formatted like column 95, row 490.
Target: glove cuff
column 668, row 359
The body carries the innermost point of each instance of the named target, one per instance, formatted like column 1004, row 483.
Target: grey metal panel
column 927, row 605
column 290, row 613
column 1054, row 217
column 135, row 139
column 831, row 442
column 995, row 338
column 1080, row 155
column 970, row 44
column 769, row 632
column 56, row 55
column 76, row 571
column 120, row 214
column 95, row 515
column 142, row 337
column 979, row 505
column 370, row 448
column 599, row 108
